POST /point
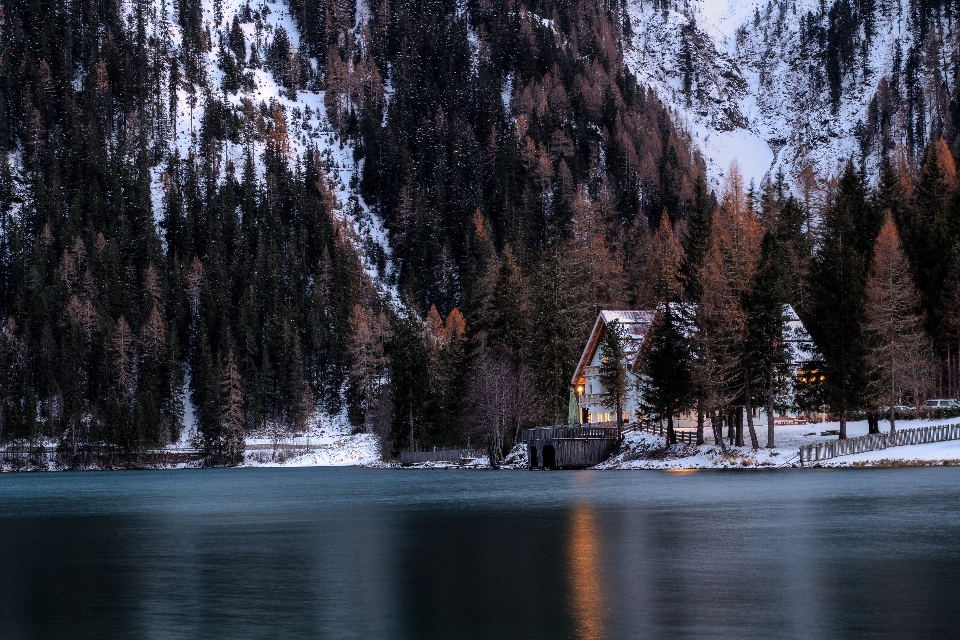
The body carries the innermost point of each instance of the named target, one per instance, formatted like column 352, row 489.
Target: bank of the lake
column 332, row 443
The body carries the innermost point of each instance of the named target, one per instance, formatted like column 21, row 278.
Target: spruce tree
column 665, row 378
column 838, row 290
column 766, row 350
column 612, row 370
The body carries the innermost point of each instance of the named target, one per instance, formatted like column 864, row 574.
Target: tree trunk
column 619, row 418
column 731, row 426
column 366, row 403
column 843, row 424
column 699, row 424
column 873, row 422
column 739, row 417
column 411, row 421
column 771, row 436
column 716, row 419
column 671, row 434
column 492, row 454
column 754, row 441
column 893, row 402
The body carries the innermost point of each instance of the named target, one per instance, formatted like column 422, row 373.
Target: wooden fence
column 877, row 441
column 453, row 456
column 686, row 437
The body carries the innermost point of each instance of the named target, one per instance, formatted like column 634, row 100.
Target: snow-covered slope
column 746, row 86
column 328, row 442
column 305, row 116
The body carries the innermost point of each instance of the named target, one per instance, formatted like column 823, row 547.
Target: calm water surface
column 356, row 553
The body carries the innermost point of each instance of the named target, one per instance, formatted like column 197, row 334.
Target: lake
column 363, row 553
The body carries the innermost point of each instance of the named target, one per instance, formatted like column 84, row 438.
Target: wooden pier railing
column 566, row 432
column 877, row 441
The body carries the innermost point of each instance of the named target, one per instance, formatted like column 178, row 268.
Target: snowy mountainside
column 750, row 85
column 304, row 112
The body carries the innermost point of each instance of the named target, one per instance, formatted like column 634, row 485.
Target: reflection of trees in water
column 586, row 593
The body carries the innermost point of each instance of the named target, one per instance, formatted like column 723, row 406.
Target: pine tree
column 229, row 442
column 613, row 372
column 665, row 378
column 838, row 290
column 766, row 352
column 409, row 375
column 698, row 240
column 560, row 320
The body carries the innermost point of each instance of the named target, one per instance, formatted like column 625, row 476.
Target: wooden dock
column 569, row 447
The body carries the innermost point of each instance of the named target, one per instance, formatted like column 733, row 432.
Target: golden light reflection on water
column 586, row 593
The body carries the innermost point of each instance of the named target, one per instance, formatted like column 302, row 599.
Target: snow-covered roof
column 799, row 342
column 635, row 324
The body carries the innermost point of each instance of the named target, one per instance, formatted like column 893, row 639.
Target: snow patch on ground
column 329, row 442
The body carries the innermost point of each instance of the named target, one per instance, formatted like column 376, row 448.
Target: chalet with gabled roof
column 588, row 395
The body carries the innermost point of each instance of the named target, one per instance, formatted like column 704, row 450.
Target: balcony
column 592, row 399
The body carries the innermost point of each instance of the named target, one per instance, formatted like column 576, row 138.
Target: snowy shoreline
column 643, row 451
column 330, row 443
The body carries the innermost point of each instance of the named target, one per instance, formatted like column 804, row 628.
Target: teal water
column 359, row 553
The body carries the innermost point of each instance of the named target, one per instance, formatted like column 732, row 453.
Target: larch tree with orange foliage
column 447, row 357
column 897, row 347
column 660, row 276
column 726, row 278
column 368, row 364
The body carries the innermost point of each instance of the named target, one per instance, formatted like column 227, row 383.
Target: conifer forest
column 238, row 213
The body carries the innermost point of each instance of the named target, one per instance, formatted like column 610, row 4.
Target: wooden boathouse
column 569, row 447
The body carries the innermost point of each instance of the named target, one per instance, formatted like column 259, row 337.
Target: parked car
column 941, row 404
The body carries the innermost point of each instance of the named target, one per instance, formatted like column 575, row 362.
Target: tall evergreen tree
column 766, row 349
column 613, row 372
column 838, row 288
column 665, row 379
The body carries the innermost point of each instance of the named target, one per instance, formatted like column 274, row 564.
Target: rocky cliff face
column 800, row 85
